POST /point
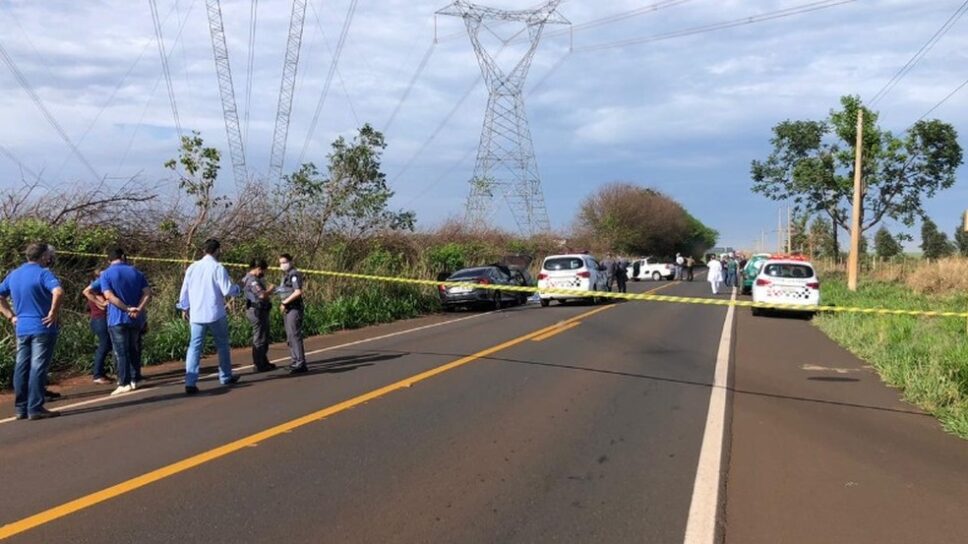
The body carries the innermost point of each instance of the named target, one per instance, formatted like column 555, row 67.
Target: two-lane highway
column 570, row 423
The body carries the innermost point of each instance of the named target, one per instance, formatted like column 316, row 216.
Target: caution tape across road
column 577, row 293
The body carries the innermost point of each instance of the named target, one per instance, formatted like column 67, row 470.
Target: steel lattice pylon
column 226, row 91
column 506, row 164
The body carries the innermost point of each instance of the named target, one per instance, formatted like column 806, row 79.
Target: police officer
column 291, row 307
column 257, row 306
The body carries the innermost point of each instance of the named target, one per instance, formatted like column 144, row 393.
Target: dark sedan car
column 453, row 297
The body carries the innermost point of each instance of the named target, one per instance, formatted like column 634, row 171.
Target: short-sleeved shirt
column 32, row 288
column 254, row 287
column 292, row 280
column 128, row 284
column 93, row 309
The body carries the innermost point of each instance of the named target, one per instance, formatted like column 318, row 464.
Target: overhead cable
column 160, row 40
column 25, row 85
column 768, row 16
column 925, row 48
column 329, row 78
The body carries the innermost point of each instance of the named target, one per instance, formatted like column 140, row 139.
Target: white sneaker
column 137, row 384
column 122, row 389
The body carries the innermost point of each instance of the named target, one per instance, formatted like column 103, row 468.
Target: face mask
column 285, row 266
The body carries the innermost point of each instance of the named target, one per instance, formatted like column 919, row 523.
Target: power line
column 25, row 85
column 160, row 39
column 768, row 16
column 943, row 100
column 290, row 64
column 928, row 45
column 329, row 78
column 406, row 92
column 339, row 73
column 253, row 16
column 23, row 168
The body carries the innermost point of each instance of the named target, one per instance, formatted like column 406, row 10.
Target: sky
column 684, row 115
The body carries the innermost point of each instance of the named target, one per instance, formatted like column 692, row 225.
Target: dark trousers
column 622, row 283
column 34, row 353
column 689, row 273
column 260, row 336
column 293, row 320
column 127, row 351
column 100, row 329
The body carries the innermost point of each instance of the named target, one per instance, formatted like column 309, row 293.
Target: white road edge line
column 704, row 507
column 281, row 359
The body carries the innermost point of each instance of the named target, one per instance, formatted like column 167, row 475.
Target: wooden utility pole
column 789, row 230
column 854, row 259
column 779, row 230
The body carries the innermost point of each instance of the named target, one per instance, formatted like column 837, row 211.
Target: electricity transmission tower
column 226, row 91
column 506, row 163
column 281, row 133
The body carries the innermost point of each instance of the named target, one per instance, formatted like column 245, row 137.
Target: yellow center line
column 555, row 331
column 156, row 475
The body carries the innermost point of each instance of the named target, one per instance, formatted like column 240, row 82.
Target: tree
column 821, row 241
column 799, row 237
column 351, row 201
column 934, row 244
column 812, row 163
column 640, row 221
column 197, row 175
column 885, row 245
column 961, row 240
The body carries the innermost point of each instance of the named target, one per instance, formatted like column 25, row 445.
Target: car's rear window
column 469, row 273
column 778, row 270
column 563, row 263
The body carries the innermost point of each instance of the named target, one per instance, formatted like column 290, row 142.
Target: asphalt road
column 564, row 424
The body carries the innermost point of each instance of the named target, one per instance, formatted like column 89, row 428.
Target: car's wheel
column 545, row 302
column 656, row 276
column 498, row 302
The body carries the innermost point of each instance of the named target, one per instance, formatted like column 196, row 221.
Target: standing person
column 680, row 264
column 37, row 297
column 622, row 274
column 292, row 310
column 97, row 308
column 715, row 276
column 126, row 288
column 609, row 267
column 257, row 306
column 690, row 264
column 202, row 299
column 731, row 268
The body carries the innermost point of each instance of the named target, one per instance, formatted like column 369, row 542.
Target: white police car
column 786, row 281
column 573, row 272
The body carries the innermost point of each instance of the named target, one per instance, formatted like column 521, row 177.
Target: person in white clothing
column 715, row 276
column 203, row 294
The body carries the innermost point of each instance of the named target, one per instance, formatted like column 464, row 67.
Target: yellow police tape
column 577, row 293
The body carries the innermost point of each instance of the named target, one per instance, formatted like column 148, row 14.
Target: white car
column 786, row 281
column 651, row 268
column 576, row 271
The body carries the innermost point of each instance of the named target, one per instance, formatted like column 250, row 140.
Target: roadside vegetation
column 925, row 358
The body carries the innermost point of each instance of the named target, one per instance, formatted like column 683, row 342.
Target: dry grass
column 941, row 277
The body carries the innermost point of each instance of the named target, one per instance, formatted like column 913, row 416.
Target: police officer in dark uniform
column 291, row 306
column 257, row 306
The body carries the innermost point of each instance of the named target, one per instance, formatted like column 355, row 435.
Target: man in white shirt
column 202, row 299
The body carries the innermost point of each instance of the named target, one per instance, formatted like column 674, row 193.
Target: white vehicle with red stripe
column 578, row 271
column 786, row 281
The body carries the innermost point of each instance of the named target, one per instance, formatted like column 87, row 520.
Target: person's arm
column 142, row 304
column 55, row 306
column 183, row 300
column 296, row 291
column 7, row 311
column 225, row 284
column 95, row 297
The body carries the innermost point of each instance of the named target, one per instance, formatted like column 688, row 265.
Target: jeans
column 127, row 351
column 100, row 329
column 34, row 353
column 730, row 279
column 193, row 360
column 260, row 336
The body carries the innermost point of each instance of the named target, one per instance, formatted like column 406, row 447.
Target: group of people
column 725, row 270
column 684, row 267
column 31, row 298
column 616, row 273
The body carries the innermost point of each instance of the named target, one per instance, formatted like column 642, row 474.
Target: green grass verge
column 926, row 358
column 168, row 334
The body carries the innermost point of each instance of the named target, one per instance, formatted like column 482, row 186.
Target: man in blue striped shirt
column 203, row 294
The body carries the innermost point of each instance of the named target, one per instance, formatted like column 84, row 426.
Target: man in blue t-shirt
column 127, row 290
column 37, row 296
